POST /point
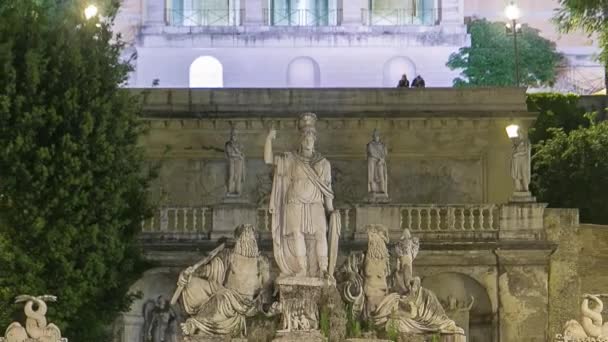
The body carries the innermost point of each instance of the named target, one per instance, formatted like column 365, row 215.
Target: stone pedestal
column 522, row 221
column 522, row 197
column 375, row 197
column 299, row 299
column 227, row 216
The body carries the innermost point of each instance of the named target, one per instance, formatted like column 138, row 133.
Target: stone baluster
column 203, row 219
column 194, row 214
column 451, row 218
column 472, row 218
column 175, row 220
column 347, row 219
column 481, row 218
column 419, row 212
column 164, row 219
column 491, row 218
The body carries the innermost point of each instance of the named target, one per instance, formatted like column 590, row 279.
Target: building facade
column 323, row 43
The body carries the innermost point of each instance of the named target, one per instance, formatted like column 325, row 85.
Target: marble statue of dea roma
column 223, row 289
column 236, row 165
column 377, row 179
column 520, row 162
column 300, row 201
column 36, row 329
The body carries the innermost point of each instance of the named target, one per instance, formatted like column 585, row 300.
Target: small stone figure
column 591, row 325
column 301, row 198
column 403, row 82
column 159, row 318
column 236, row 166
column 36, row 327
column 226, row 287
column 407, row 249
column 418, row 82
column 459, row 311
column 520, row 163
column 377, row 175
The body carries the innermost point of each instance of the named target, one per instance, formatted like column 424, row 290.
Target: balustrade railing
column 204, row 17
column 417, row 218
column 303, row 17
column 449, row 218
column 178, row 220
column 398, row 17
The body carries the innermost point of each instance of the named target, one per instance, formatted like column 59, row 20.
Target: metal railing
column 303, row 17
column 437, row 218
column 398, row 17
column 204, row 17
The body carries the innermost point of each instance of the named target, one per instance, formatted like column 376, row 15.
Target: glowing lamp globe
column 512, row 131
column 512, row 11
column 90, row 11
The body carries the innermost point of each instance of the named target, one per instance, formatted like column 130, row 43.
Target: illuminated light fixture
column 90, row 11
column 512, row 12
column 513, row 131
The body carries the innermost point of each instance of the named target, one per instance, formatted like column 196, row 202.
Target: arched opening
column 395, row 67
column 455, row 291
column 303, row 72
column 154, row 283
column 206, row 72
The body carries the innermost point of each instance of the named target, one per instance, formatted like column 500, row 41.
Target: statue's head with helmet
column 308, row 132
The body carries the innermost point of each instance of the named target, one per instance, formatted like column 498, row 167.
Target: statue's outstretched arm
column 268, row 155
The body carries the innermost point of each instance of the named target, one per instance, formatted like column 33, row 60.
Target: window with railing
column 203, row 13
column 302, row 13
column 400, row 13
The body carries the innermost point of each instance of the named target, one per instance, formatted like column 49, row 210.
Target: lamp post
column 512, row 13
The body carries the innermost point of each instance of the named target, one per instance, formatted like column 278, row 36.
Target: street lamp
column 512, row 131
column 90, row 11
column 512, row 13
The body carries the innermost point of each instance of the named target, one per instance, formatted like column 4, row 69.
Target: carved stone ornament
column 591, row 327
column 36, row 329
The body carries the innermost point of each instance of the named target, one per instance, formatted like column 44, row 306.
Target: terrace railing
column 398, row 17
column 204, row 17
column 302, row 17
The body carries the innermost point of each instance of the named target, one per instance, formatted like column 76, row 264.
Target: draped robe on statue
column 299, row 191
column 214, row 308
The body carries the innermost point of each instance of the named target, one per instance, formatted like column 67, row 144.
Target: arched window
column 395, row 67
column 303, row 72
column 206, row 72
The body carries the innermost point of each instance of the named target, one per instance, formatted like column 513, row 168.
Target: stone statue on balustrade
column 591, row 327
column 36, row 329
column 520, row 167
column 159, row 321
column 403, row 305
column 236, row 166
column 377, row 175
column 223, row 289
column 300, row 201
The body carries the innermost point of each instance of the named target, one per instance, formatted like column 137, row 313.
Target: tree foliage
column 591, row 16
column 569, row 171
column 554, row 111
column 490, row 60
column 72, row 191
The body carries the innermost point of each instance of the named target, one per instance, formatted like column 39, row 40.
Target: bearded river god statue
column 36, row 327
column 392, row 301
column 225, row 288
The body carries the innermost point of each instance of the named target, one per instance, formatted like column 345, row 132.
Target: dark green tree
column 490, row 60
column 72, row 190
column 569, row 171
column 554, row 111
column 591, row 16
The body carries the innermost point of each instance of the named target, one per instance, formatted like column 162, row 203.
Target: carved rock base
column 299, row 299
column 300, row 336
column 211, row 339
